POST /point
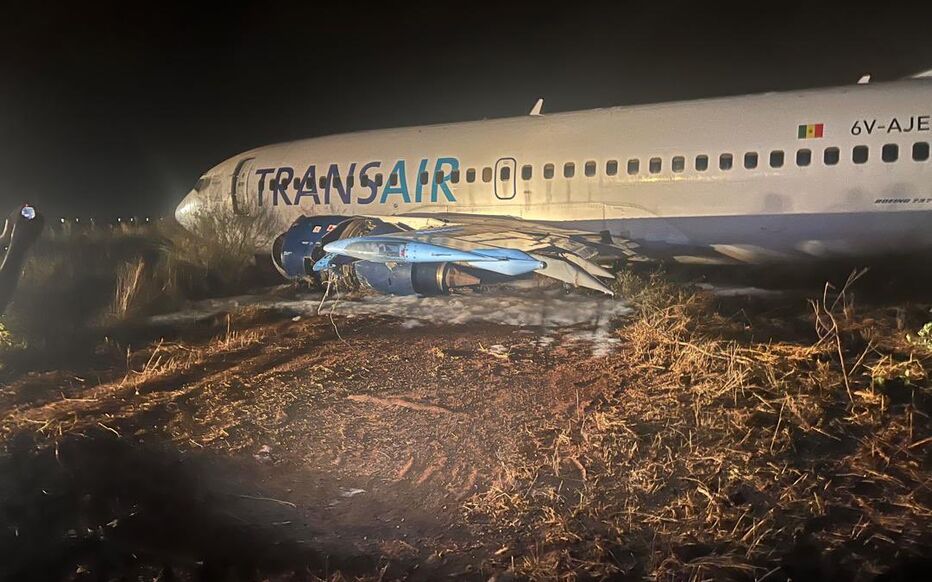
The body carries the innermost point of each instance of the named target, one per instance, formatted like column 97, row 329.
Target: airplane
column 839, row 172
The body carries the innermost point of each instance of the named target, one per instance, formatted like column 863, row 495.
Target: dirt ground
column 713, row 438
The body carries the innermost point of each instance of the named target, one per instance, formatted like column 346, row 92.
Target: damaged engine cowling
column 413, row 278
column 295, row 252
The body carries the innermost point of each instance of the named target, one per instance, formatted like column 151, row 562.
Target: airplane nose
column 185, row 212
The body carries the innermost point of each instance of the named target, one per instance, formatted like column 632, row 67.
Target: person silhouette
column 20, row 232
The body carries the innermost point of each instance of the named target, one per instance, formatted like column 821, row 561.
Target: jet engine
column 412, row 278
column 295, row 252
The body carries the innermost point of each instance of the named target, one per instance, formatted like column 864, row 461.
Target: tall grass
column 78, row 279
column 219, row 248
column 722, row 457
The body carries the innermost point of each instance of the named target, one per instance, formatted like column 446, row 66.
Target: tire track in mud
column 442, row 457
column 114, row 398
column 331, row 414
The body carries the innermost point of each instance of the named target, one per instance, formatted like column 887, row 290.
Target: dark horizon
column 111, row 110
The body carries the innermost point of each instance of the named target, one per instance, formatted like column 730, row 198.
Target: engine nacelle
column 412, row 278
column 295, row 252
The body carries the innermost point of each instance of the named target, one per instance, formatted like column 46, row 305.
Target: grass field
column 716, row 438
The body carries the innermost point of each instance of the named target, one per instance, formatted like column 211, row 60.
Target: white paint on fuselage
column 753, row 213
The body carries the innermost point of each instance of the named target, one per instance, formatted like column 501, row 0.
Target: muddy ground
column 685, row 437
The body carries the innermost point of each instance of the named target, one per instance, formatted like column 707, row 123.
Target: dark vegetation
column 82, row 278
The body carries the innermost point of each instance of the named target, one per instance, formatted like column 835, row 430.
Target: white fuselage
column 636, row 172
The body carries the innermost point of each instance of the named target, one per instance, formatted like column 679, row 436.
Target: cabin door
column 239, row 192
column 505, row 179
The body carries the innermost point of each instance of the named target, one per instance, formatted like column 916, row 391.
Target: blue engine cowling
column 295, row 251
column 404, row 278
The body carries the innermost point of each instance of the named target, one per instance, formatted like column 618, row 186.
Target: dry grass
column 152, row 377
column 720, row 458
column 695, row 451
column 220, row 247
column 128, row 287
column 75, row 280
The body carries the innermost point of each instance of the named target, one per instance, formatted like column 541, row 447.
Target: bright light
column 28, row 212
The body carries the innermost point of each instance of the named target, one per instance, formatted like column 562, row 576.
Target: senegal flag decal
column 810, row 131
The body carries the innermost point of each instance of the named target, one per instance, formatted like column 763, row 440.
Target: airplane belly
column 780, row 237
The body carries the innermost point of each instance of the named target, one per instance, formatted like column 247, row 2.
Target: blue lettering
column 373, row 187
column 418, row 183
column 400, row 188
column 334, row 181
column 280, row 185
column 308, row 186
column 447, row 176
column 262, row 173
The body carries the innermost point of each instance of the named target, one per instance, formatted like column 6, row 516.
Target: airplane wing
column 921, row 75
column 504, row 245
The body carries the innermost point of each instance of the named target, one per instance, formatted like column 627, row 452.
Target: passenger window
column 548, row 171
column 750, row 160
column 486, row 174
column 921, row 151
column 455, row 176
column 678, row 164
column 505, row 173
column 350, row 181
column 471, row 175
column 423, row 177
column 890, row 152
column 611, row 168
column 323, row 182
column 438, row 177
column 725, row 161
column 569, row 170
column 831, row 156
column 634, row 166
column 860, row 154
column 590, row 168
column 364, row 180
column 776, row 159
column 803, row 157
column 702, row 163
column 297, row 183
column 393, row 180
column 273, row 185
column 655, row 165
column 526, row 172
column 378, row 180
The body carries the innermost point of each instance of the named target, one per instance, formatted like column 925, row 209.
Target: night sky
column 108, row 108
